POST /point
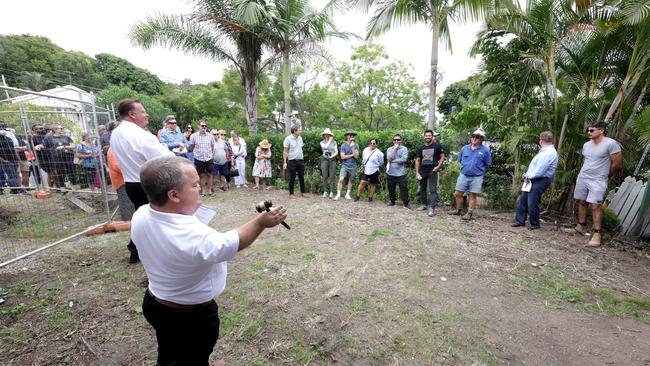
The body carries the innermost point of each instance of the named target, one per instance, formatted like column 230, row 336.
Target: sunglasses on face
column 204, row 126
column 373, row 143
column 590, row 130
column 397, row 139
column 476, row 136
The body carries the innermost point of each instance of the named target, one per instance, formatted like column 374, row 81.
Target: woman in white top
column 372, row 160
column 328, row 161
column 262, row 167
column 239, row 161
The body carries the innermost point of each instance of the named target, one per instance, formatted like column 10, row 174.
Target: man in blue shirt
column 537, row 179
column 396, row 156
column 173, row 138
column 474, row 160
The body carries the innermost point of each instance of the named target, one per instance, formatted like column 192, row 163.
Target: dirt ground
column 350, row 284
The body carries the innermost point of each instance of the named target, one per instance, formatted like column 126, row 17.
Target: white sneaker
column 347, row 197
column 336, row 198
column 324, row 194
column 331, row 194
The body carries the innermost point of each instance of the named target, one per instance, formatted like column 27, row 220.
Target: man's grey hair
column 546, row 136
column 169, row 118
column 160, row 175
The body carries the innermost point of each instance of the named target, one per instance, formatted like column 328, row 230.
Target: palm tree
column 436, row 14
column 212, row 30
column 291, row 29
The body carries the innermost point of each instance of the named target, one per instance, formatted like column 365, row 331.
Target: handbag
column 362, row 167
column 233, row 173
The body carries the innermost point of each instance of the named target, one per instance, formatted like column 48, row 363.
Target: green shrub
column 611, row 222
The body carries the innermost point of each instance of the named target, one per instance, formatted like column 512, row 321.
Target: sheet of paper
column 526, row 186
column 205, row 214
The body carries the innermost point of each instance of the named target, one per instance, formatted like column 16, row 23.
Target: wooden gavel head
column 264, row 206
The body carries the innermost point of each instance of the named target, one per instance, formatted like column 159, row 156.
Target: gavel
column 266, row 206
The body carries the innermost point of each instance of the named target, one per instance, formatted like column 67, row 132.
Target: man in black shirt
column 428, row 160
column 9, row 165
column 61, row 151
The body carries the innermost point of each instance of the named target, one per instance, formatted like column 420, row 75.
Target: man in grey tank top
column 602, row 158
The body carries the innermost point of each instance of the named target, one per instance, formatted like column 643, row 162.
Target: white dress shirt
column 185, row 260
column 133, row 146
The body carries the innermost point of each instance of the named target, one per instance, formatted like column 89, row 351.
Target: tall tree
column 291, row 28
column 213, row 30
column 434, row 13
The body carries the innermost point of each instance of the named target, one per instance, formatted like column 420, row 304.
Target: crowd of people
column 159, row 181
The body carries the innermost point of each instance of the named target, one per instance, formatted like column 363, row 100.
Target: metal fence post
column 100, row 161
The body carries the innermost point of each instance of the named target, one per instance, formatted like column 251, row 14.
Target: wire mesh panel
column 53, row 179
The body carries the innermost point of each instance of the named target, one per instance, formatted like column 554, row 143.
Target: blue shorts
column 469, row 184
column 220, row 170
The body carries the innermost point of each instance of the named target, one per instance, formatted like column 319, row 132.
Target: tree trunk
column 433, row 81
column 286, row 88
column 628, row 83
column 250, row 87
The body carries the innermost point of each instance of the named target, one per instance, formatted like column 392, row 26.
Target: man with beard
column 428, row 161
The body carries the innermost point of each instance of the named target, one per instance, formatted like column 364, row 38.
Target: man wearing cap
column 428, row 161
column 293, row 160
column 537, row 178
column 202, row 146
column 328, row 161
column 349, row 153
column 474, row 159
column 185, row 260
column 133, row 146
column 602, row 158
column 172, row 137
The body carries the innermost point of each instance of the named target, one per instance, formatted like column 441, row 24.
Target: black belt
column 178, row 306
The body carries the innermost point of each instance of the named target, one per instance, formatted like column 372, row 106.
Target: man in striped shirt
column 202, row 145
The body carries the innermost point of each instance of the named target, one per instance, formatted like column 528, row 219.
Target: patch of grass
column 552, row 283
column 13, row 336
column 58, row 317
column 414, row 279
column 303, row 352
column 258, row 265
column 308, row 256
column 250, row 330
column 378, row 233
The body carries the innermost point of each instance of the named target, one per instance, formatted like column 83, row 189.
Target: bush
column 611, row 222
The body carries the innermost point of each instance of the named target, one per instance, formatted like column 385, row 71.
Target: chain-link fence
column 53, row 175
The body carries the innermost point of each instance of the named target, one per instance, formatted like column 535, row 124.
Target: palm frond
column 635, row 12
column 181, row 33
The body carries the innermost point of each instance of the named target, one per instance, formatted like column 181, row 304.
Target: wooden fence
column 631, row 203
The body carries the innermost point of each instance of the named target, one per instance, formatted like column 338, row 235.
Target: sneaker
column 432, row 212
column 336, row 198
column 467, row 216
column 324, row 194
column 331, row 194
column 595, row 240
column 408, row 206
column 347, row 197
column 391, row 203
column 356, row 199
column 222, row 189
column 456, row 212
column 422, row 208
column 578, row 229
column 369, row 199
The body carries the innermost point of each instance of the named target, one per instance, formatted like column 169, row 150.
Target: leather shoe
column 134, row 257
column 517, row 225
column 533, row 228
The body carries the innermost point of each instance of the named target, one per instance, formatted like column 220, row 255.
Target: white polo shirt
column 185, row 260
column 133, row 146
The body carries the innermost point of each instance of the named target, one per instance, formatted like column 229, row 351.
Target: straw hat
column 350, row 133
column 264, row 144
column 327, row 132
column 479, row 132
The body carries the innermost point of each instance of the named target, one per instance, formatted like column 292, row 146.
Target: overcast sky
column 101, row 27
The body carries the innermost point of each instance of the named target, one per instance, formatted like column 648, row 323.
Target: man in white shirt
column 185, row 260
column 133, row 146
